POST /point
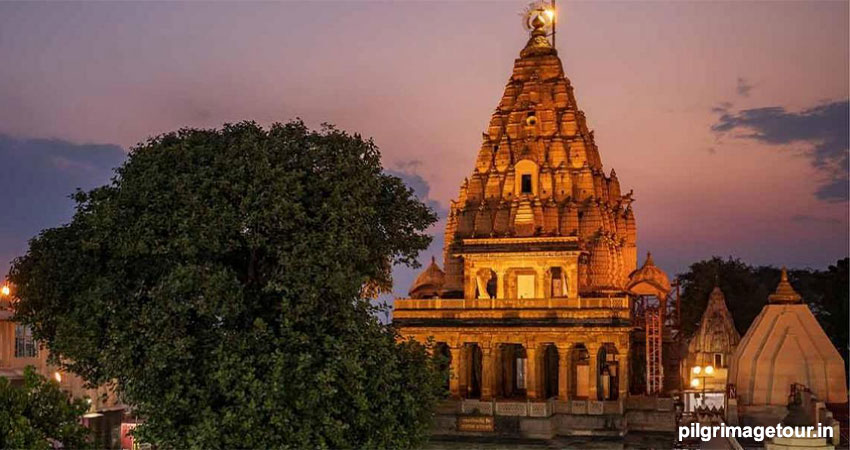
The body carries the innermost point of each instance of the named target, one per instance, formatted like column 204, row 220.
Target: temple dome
column 649, row 280
column 785, row 345
column 429, row 283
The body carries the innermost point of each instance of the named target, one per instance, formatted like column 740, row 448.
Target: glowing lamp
column 709, row 370
column 697, row 370
column 694, row 382
column 57, row 376
column 5, row 291
column 550, row 13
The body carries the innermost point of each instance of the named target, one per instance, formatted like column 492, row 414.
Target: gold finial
column 785, row 293
column 537, row 25
column 539, row 18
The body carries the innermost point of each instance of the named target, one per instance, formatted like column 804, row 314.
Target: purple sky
column 728, row 119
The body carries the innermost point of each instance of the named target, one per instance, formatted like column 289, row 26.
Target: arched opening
column 558, row 282
column 473, row 368
column 608, row 368
column 550, row 371
column 444, row 361
column 580, row 383
column 513, row 375
column 486, row 284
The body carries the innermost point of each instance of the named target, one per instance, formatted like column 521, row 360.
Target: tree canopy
column 37, row 413
column 222, row 281
column 747, row 287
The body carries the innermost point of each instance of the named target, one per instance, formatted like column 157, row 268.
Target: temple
column 785, row 349
column 532, row 305
column 712, row 345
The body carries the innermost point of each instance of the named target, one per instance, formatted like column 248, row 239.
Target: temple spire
column 785, row 293
column 538, row 20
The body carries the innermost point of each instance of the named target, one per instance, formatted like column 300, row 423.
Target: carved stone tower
column 532, row 304
column 539, row 174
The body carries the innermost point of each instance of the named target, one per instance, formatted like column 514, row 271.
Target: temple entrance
column 514, row 361
column 580, row 381
column 550, row 371
column 444, row 353
column 473, row 370
column 608, row 366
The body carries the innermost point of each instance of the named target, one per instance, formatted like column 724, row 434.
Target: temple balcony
column 530, row 311
column 608, row 303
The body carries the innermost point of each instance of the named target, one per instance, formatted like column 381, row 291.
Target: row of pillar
column 535, row 383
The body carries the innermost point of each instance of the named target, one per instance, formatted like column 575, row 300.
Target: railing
column 513, row 303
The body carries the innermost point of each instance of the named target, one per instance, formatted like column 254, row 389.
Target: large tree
column 37, row 414
column 222, row 280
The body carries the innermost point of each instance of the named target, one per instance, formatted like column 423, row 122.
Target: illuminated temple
column 540, row 242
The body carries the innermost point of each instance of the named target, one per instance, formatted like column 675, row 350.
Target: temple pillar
column 488, row 373
column 540, row 281
column 456, row 368
column 501, row 284
column 564, row 370
column 624, row 373
column 532, row 382
column 463, row 371
column 593, row 382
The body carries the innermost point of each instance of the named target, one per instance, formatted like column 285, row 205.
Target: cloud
column 37, row 177
column 825, row 128
column 408, row 171
column 722, row 108
column 743, row 87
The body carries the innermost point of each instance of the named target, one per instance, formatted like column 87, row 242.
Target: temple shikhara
column 539, row 246
column 547, row 323
column 540, row 243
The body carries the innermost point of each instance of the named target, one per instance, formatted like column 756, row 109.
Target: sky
column 729, row 120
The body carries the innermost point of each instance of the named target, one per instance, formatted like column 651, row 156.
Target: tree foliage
column 221, row 281
column 747, row 287
column 37, row 414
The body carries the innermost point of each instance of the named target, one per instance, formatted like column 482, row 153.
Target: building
column 784, row 350
column 705, row 366
column 18, row 350
column 532, row 308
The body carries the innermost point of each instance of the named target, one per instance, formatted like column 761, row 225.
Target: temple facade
column 540, row 242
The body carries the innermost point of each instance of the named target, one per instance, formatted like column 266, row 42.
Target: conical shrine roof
column 716, row 332
column 429, row 282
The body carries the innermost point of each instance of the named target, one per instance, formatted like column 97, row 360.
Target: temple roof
column 649, row 274
column 716, row 332
column 429, row 282
column 785, row 344
column 539, row 174
column 785, row 293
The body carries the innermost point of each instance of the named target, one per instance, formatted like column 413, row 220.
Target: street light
column 5, row 290
column 701, row 373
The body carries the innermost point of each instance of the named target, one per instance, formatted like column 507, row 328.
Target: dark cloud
column 37, row 177
column 721, row 108
column 743, row 87
column 408, row 172
column 825, row 128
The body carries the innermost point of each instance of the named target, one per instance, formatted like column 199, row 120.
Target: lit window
column 25, row 346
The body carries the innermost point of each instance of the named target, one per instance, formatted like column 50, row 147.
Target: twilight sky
column 728, row 119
